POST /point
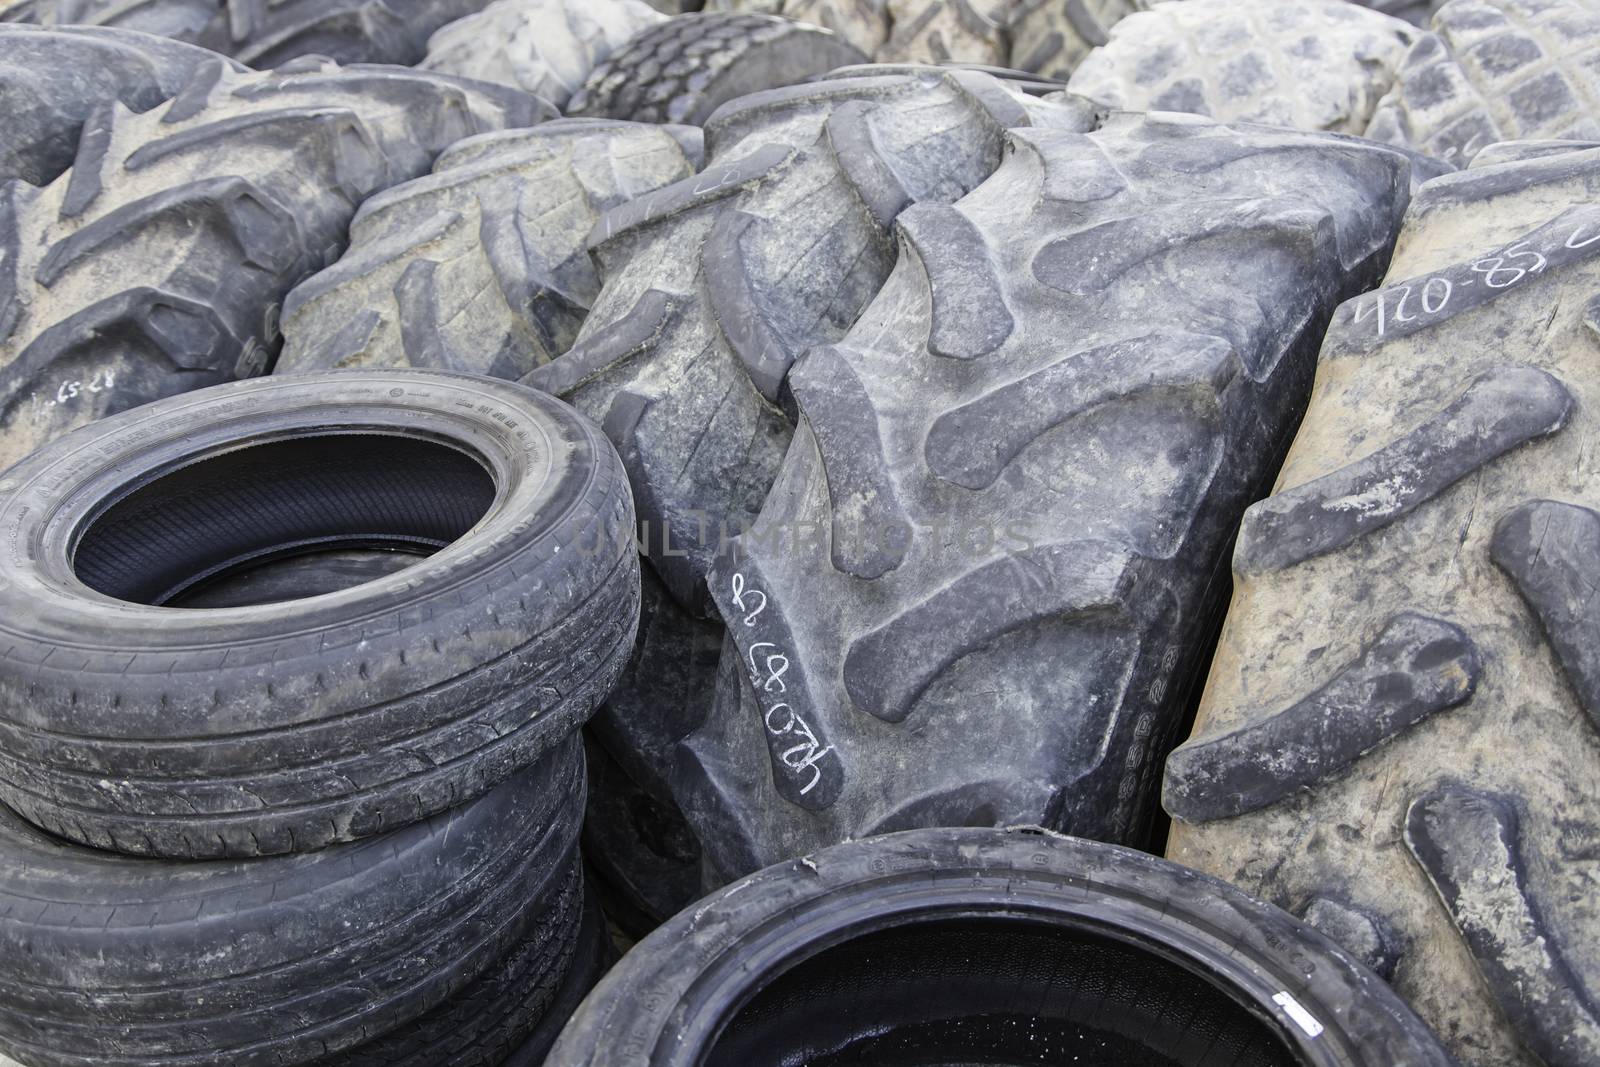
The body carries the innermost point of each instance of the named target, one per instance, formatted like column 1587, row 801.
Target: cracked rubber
column 482, row 266
column 297, row 959
column 51, row 80
column 683, row 69
column 1496, row 70
column 985, row 946
column 716, row 284
column 158, row 263
column 1309, row 64
column 982, row 587
column 546, row 47
column 290, row 726
column 1403, row 716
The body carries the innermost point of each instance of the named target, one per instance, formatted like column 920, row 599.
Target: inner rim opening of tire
column 283, row 519
column 1001, row 990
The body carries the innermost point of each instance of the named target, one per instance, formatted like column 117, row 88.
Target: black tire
column 593, row 957
column 984, row 584
column 1308, row 64
column 1496, row 70
column 972, row 944
column 287, row 960
column 483, row 265
column 267, row 729
column 158, row 264
column 51, row 80
column 1402, row 725
column 714, row 285
column 685, row 68
column 1051, row 37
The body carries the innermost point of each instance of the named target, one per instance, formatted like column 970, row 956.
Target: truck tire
column 159, row 263
column 685, row 68
column 986, row 579
column 972, row 944
column 51, row 80
column 481, row 266
column 1052, row 37
column 1403, row 702
column 288, row 727
column 714, row 285
column 1495, row 70
column 285, row 960
column 545, row 47
column 1309, row 64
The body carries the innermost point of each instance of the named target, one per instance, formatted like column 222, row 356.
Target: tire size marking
column 66, row 392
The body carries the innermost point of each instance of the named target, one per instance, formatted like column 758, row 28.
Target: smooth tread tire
column 270, row 728
column 284, row 960
column 901, row 949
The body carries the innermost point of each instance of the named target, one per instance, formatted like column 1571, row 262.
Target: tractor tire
column 181, row 20
column 1402, row 725
column 1052, row 37
column 985, row 583
column 941, row 31
column 716, row 284
column 51, row 80
column 1496, row 70
column 977, row 946
column 481, row 266
column 1307, row 64
column 545, row 47
column 159, row 262
column 683, row 69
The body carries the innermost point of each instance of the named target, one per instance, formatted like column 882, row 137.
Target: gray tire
column 682, row 70
column 1052, row 37
column 482, row 266
column 939, row 31
column 983, row 585
column 158, row 264
column 182, row 20
column 1496, row 70
column 52, row 79
column 1402, row 726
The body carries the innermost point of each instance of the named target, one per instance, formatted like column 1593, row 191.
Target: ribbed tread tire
column 51, row 80
column 939, row 31
column 288, row 960
column 481, row 266
column 984, row 583
column 716, row 284
column 1401, row 731
column 685, row 68
column 1308, row 64
column 1496, row 70
column 1052, row 37
column 546, row 47
column 159, row 262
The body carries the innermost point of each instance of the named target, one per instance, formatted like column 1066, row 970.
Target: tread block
column 83, row 180
column 630, row 336
column 10, row 264
column 886, row 670
column 970, row 315
column 1415, row 667
column 1468, row 842
column 849, row 131
column 737, row 306
column 1502, row 409
column 971, row 445
column 1551, row 551
column 871, row 532
column 710, row 185
column 1359, row 931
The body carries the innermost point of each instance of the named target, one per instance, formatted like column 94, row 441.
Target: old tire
column 285, row 960
column 1052, row 37
column 291, row 726
column 182, row 20
column 51, row 80
column 970, row 944
column 984, row 584
column 159, row 264
column 1404, row 700
column 483, row 265
column 685, row 68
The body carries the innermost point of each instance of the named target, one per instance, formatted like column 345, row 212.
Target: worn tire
column 685, row 68
column 1309, row 64
column 1416, row 12
column 51, row 80
column 1052, row 37
column 287, row 727
column 287, row 960
column 593, row 957
column 1496, row 70
column 984, row 583
column 864, row 23
column 481, row 266
column 159, row 262
column 182, row 20
column 939, row 31
column 1400, row 729
column 715, row 285
column 970, row 944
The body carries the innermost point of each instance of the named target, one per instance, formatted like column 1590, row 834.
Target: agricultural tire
column 181, row 20
column 1052, row 37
